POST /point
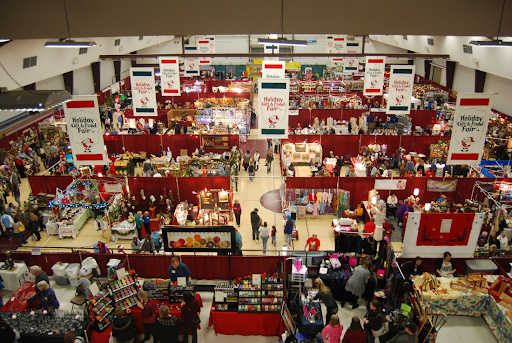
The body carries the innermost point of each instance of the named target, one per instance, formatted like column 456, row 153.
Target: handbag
column 384, row 329
column 197, row 321
column 21, row 228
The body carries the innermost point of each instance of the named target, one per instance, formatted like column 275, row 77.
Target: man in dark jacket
column 409, row 335
column 255, row 223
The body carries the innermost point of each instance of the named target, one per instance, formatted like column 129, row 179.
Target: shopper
column 355, row 333
column 155, row 237
column 130, row 169
column 148, row 314
column 269, row 159
column 251, row 170
column 255, row 223
column 264, row 232
column 445, row 267
column 7, row 332
column 356, row 284
column 247, row 159
column 256, row 158
column 135, row 245
column 39, row 274
column 167, row 328
column 237, row 210
column 146, row 219
column 147, row 245
column 313, row 243
column 46, row 296
column 373, row 320
column 413, row 268
column 138, row 223
column 288, row 229
column 325, row 294
column 331, row 332
column 178, row 269
column 33, row 225
column 190, row 310
column 19, row 230
column 7, row 222
column 123, row 328
column 239, row 242
column 273, row 234
column 408, row 335
column 147, row 168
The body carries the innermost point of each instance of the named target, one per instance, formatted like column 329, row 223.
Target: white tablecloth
column 14, row 279
column 122, row 232
column 72, row 230
column 52, row 228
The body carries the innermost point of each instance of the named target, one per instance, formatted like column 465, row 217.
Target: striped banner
column 190, row 49
column 374, row 75
column 85, row 131
column 170, row 76
column 192, row 66
column 273, row 101
column 273, row 69
column 401, row 82
column 143, row 91
column 470, row 122
column 353, row 47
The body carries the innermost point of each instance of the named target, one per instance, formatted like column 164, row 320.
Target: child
column 273, row 235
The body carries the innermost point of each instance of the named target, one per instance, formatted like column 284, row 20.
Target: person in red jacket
column 190, row 316
column 148, row 314
column 237, row 210
column 355, row 333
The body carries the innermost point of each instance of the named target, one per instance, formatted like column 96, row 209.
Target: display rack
column 272, row 295
column 102, row 308
column 249, row 298
column 230, row 298
column 125, row 292
column 157, row 289
column 176, row 293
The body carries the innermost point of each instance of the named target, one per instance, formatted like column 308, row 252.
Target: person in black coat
column 167, row 328
column 413, row 268
column 123, row 329
column 373, row 320
column 445, row 267
column 255, row 224
column 325, row 294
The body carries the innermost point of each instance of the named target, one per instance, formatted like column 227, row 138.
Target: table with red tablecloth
column 25, row 292
column 247, row 324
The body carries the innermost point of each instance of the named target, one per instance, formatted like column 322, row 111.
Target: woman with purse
column 19, row 231
column 325, row 294
column 374, row 322
column 190, row 316
column 148, row 314
column 356, row 285
column 331, row 332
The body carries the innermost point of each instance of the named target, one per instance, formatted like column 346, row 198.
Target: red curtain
column 48, row 184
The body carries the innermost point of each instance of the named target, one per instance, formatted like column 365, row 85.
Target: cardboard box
column 183, row 152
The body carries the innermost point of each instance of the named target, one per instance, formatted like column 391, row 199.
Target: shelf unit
column 124, row 292
column 230, row 298
column 157, row 290
column 249, row 298
column 103, row 307
column 272, row 295
column 176, row 293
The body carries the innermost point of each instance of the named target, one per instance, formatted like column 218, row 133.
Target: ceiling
column 30, row 19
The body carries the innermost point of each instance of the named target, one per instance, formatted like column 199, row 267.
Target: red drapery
column 247, row 324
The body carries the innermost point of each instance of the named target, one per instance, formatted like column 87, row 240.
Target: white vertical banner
column 273, row 69
column 204, row 61
column 338, row 61
column 374, row 75
column 206, row 45
column 268, row 48
column 401, row 82
column 351, row 64
column 143, row 91
column 170, row 76
column 353, row 47
column 192, row 66
column 335, row 44
column 212, row 44
column 84, row 130
column 273, row 102
column 472, row 115
column 190, row 49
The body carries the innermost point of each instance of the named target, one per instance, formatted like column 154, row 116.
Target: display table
column 13, row 279
column 247, row 324
column 123, row 230
column 306, row 327
column 52, row 228
column 67, row 230
column 359, row 167
column 25, row 292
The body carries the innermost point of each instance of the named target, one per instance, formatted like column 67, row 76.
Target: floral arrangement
column 152, row 200
column 264, row 278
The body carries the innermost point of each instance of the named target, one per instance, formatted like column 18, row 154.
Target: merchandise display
column 123, row 230
column 158, row 289
column 36, row 324
column 303, row 153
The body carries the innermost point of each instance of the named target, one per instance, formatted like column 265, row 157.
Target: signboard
column 268, row 49
column 390, row 185
column 335, row 44
column 170, row 76
column 192, row 66
column 216, row 142
column 199, row 238
column 470, row 121
column 352, row 47
column 273, row 101
column 273, row 69
column 204, row 61
column 190, row 49
column 309, row 39
column 338, row 61
column 206, row 45
column 374, row 75
column 143, row 91
column 84, row 130
column 401, row 83
column 351, row 64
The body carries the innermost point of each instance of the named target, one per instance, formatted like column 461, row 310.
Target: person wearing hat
column 408, row 335
column 255, row 223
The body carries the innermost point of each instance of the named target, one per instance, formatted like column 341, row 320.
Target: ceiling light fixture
column 495, row 42
column 3, row 40
column 69, row 43
column 282, row 41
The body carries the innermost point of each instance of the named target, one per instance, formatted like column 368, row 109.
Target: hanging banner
column 84, row 130
column 268, row 49
column 335, row 44
column 401, row 83
column 204, row 61
column 191, row 66
column 353, row 47
column 391, row 185
column 170, row 76
column 338, row 61
column 441, row 186
column 273, row 99
column 351, row 64
column 143, row 91
column 273, row 69
column 190, row 49
column 374, row 75
column 206, row 45
column 472, row 115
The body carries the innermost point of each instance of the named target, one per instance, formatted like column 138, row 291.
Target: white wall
column 83, row 81
column 106, row 73
column 503, row 100
column 464, row 79
column 51, row 62
column 56, row 82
